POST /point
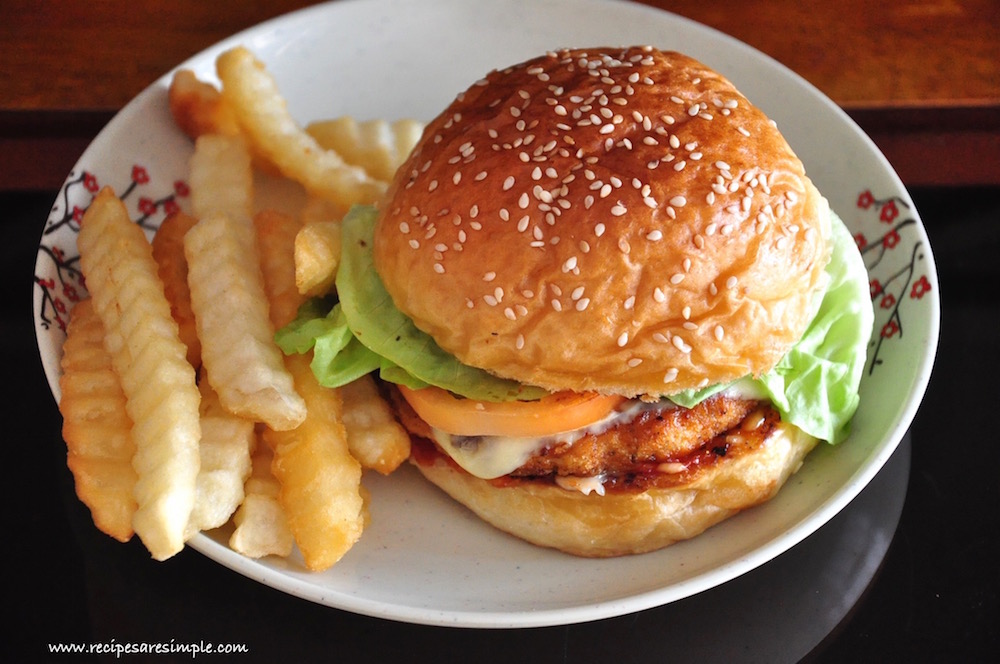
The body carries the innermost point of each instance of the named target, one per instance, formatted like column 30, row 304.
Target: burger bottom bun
column 623, row 523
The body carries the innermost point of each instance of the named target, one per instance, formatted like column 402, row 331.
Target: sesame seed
column 622, row 339
column 582, row 303
column 489, row 276
column 670, row 376
column 731, row 282
column 720, row 333
column 519, row 342
column 654, row 235
column 659, row 295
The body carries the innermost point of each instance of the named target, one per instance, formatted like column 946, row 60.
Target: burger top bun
column 618, row 220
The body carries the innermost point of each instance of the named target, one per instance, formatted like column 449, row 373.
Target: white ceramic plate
column 424, row 559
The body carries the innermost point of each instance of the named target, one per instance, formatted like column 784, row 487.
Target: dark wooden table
column 922, row 77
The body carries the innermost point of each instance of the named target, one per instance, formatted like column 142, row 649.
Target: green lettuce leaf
column 815, row 386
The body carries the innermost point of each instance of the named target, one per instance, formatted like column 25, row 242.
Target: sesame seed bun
column 618, row 220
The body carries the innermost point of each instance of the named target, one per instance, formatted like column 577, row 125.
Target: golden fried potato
column 276, row 232
column 264, row 118
column 197, row 107
column 317, row 247
column 96, row 428
column 221, row 178
column 261, row 525
column 142, row 339
column 168, row 252
column 320, row 480
column 377, row 146
column 375, row 437
column 227, row 441
column 243, row 362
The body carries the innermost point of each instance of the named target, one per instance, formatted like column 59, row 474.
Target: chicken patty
column 658, row 447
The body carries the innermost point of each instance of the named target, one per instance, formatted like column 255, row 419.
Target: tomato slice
column 563, row 411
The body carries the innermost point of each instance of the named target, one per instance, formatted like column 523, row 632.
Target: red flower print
column 139, row 175
column 889, row 212
column 888, row 301
column 890, row 240
column 59, row 305
column 181, row 188
column 78, row 213
column 920, row 287
column 90, row 183
column 876, row 288
column 861, row 240
column 890, row 329
column 147, row 205
column 866, row 200
column 170, row 206
column 71, row 293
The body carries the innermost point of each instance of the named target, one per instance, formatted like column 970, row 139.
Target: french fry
column 376, row 439
column 320, row 480
column 168, row 252
column 317, row 247
column 276, row 233
column 244, row 364
column 197, row 107
column 142, row 338
column 377, row 146
column 261, row 525
column 221, row 178
column 96, row 428
column 226, row 443
column 264, row 118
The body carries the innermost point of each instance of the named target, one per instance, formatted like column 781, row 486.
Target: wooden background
column 921, row 77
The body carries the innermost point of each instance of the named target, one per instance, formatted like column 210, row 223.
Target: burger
column 606, row 301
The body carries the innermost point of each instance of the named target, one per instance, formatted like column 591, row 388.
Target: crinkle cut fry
column 96, row 427
column 231, row 312
column 320, row 480
column 149, row 358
